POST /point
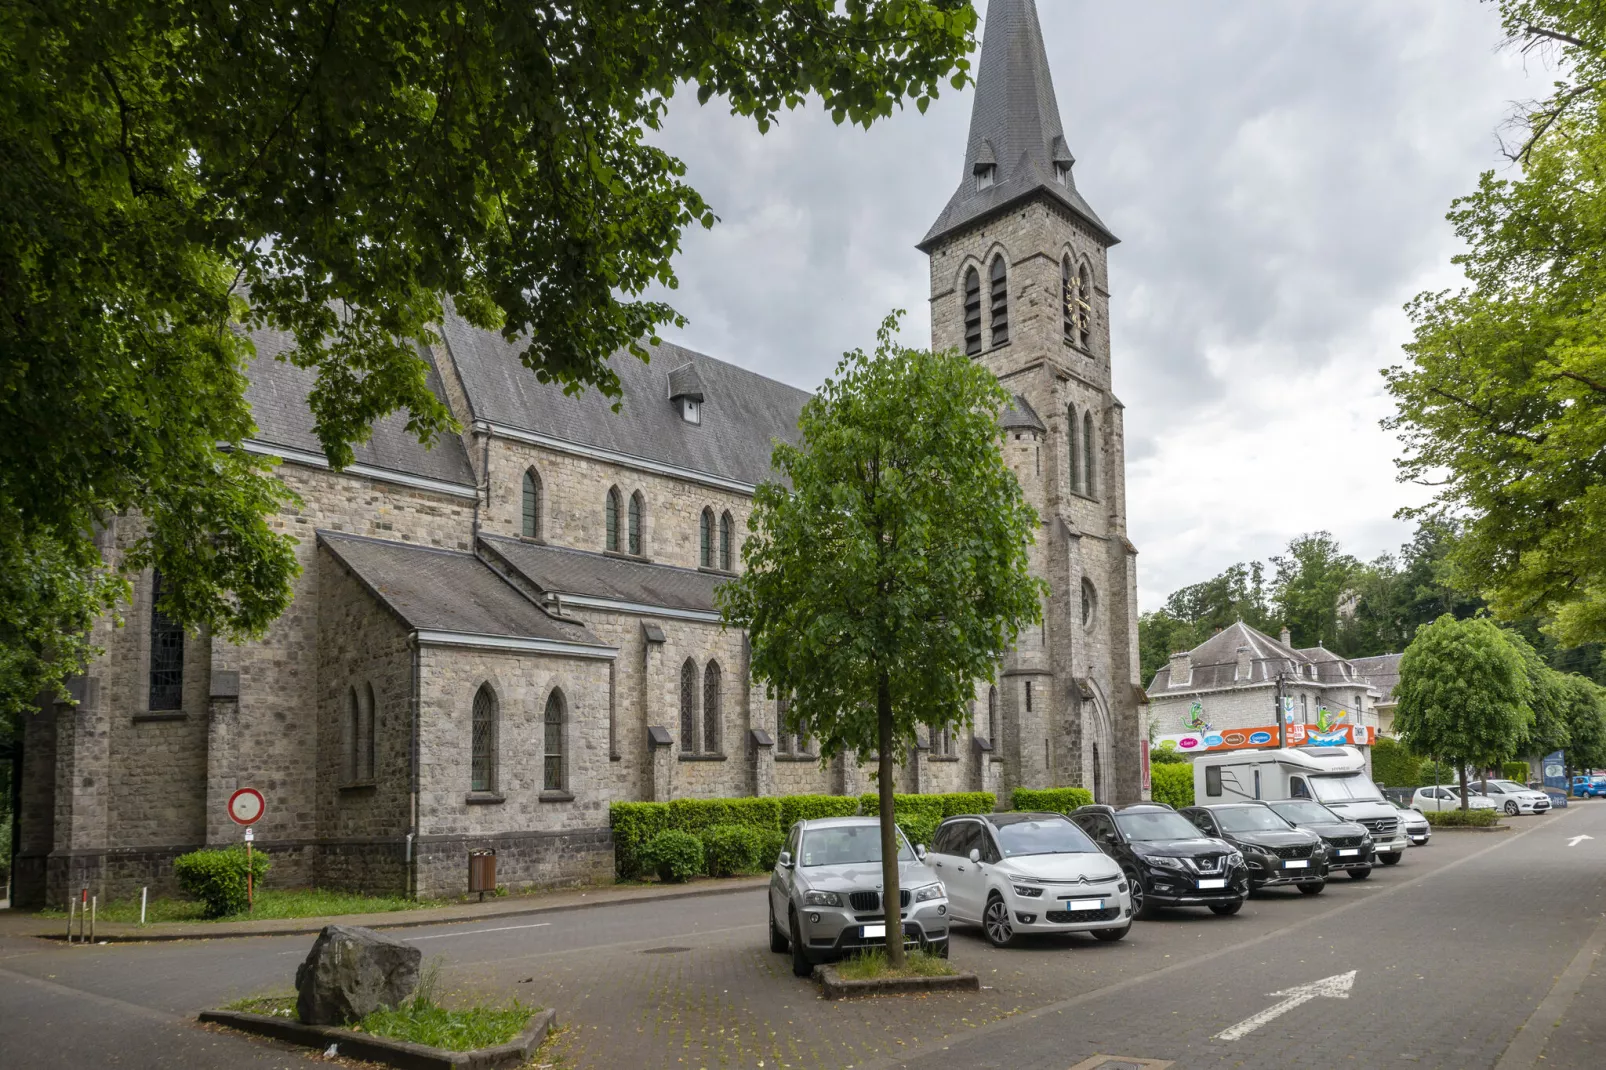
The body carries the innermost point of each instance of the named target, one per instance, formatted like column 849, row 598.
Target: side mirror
column 785, row 860
column 975, row 855
column 920, row 851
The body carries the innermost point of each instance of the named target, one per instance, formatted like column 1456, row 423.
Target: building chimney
column 1287, row 637
column 1245, row 669
column 1181, row 667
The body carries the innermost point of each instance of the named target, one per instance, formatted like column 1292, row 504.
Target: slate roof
column 1382, row 672
column 447, row 590
column 556, row 569
column 277, row 392
column 1215, row 664
column 1015, row 124
column 1020, row 416
column 743, row 413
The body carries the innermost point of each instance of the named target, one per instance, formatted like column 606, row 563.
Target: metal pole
column 92, row 901
column 250, row 901
column 142, row 892
column 83, row 912
column 1282, row 727
column 72, row 909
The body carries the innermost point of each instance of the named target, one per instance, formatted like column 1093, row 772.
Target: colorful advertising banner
column 1299, row 735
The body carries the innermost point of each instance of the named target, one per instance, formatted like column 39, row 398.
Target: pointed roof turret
column 1017, row 147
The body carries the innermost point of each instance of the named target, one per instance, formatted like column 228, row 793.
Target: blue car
column 1589, row 787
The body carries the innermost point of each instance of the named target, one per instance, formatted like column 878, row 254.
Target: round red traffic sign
column 246, row 806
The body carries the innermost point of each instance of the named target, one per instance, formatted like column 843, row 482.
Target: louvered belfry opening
column 1084, row 297
column 167, row 654
column 482, row 760
column 1000, row 302
column 553, row 778
column 972, row 312
column 688, row 707
column 1068, row 295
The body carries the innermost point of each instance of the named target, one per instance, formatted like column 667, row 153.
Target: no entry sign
column 246, row 806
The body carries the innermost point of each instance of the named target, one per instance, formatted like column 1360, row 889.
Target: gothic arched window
column 972, row 312
column 611, row 521
column 712, row 720
column 705, row 531
column 554, row 770
column 783, row 730
column 531, row 502
column 726, row 539
column 1090, row 598
column 1071, row 435
column 353, row 733
column 482, row 741
column 1087, row 454
column 367, row 736
column 636, row 504
column 1000, row 302
column 167, row 654
column 688, row 707
column 992, row 717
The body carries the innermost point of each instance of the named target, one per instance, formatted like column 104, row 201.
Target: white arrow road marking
column 1576, row 840
column 1334, row 987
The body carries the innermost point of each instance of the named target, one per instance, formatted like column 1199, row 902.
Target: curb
column 834, row 987
column 316, row 925
column 375, row 1049
column 1473, row 828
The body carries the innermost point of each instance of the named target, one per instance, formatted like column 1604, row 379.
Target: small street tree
column 1463, row 694
column 888, row 573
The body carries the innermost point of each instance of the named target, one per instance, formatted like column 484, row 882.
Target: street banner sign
column 246, row 806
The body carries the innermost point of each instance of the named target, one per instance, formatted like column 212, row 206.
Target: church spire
column 1017, row 146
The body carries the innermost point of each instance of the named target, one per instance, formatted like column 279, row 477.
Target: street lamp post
column 1282, row 724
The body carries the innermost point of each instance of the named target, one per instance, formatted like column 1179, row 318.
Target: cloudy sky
column 1278, row 173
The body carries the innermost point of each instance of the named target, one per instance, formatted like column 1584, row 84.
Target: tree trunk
column 889, row 827
column 1461, row 771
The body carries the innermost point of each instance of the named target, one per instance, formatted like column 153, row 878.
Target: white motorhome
column 1336, row 777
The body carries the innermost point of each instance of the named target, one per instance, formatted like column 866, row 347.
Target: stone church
column 493, row 640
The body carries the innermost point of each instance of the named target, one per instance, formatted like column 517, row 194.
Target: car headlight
column 821, row 899
column 1163, row 861
column 928, row 892
column 1235, row 859
column 1027, row 890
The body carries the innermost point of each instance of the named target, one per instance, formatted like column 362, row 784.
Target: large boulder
column 351, row 972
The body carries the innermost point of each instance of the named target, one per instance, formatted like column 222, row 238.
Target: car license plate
column 1345, row 852
column 871, row 932
column 1084, row 904
column 1296, row 863
column 1217, row 882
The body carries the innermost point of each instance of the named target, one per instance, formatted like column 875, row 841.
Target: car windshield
column 1507, row 785
column 1250, row 819
column 1164, row 825
column 1344, row 787
column 847, row 845
column 1311, row 813
column 1049, row 836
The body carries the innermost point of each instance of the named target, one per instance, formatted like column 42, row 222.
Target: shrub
column 633, row 824
column 795, row 808
column 1394, row 766
column 1462, row 819
column 1432, row 772
column 1517, row 771
column 216, row 877
column 919, row 829
column 770, row 846
column 674, row 855
column 694, row 815
column 968, row 802
column 1166, row 754
column 1050, row 800
column 731, row 849
column 1172, row 784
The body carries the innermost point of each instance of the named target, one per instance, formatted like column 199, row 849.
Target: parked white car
column 1515, row 798
column 1428, row 800
column 1416, row 826
column 1014, row 874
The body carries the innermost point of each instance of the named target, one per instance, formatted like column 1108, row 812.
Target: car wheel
column 1227, row 909
column 778, row 941
column 1392, row 858
column 1109, row 936
column 995, row 922
column 801, row 966
column 1313, row 887
column 1511, row 808
column 1360, row 874
column 1141, row 907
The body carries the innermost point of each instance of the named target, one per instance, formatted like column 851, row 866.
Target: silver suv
column 825, row 893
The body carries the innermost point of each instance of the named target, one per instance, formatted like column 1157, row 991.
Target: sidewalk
column 13, row 923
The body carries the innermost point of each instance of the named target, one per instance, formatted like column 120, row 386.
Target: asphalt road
column 1479, row 951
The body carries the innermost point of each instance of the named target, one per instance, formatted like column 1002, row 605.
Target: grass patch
column 1462, row 818
column 872, row 966
column 273, row 1006
column 270, row 903
column 461, row 1030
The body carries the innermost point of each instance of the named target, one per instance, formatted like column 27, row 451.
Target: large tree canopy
column 891, row 572
column 350, row 167
column 1503, row 402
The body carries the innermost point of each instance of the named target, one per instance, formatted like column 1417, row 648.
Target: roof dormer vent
column 686, row 391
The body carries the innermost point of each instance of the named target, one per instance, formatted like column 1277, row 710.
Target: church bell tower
column 1019, row 281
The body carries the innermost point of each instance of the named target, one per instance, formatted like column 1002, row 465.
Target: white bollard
column 142, row 892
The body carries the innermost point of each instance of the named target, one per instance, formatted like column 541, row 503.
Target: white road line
column 471, row 932
column 1334, row 987
column 1576, row 840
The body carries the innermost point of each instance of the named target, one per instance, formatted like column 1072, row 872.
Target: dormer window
column 986, row 175
column 691, row 410
column 1062, row 173
column 686, row 393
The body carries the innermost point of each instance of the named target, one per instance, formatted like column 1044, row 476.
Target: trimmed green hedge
column 216, row 877
column 1050, row 800
column 1462, row 818
column 694, row 815
column 634, row 824
column 795, row 808
column 732, row 849
column 1172, row 784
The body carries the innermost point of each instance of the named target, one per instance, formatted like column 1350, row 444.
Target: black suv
column 1277, row 852
column 1165, row 859
column 1349, row 845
